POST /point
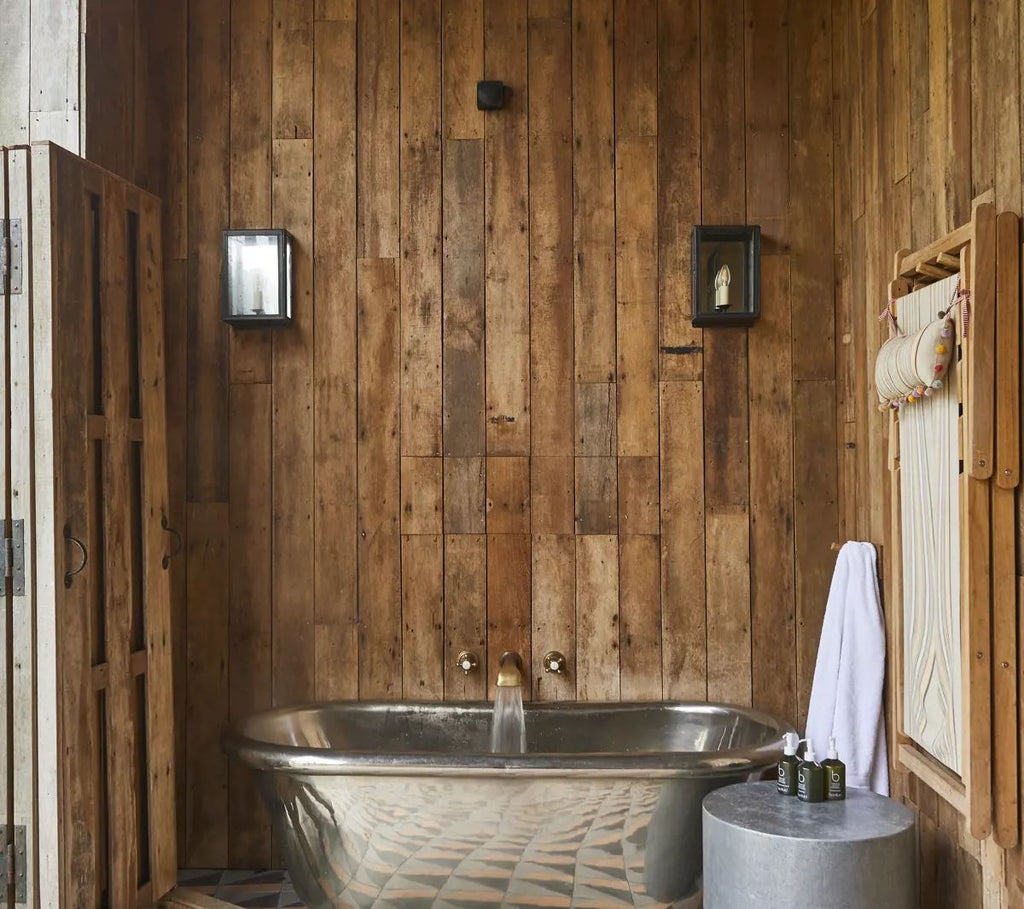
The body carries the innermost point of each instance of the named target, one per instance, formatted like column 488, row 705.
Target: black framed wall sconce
column 726, row 275
column 257, row 280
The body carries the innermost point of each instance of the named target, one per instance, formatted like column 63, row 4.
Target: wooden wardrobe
column 86, row 746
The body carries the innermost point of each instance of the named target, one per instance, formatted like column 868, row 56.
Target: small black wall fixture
column 726, row 274
column 491, row 95
column 256, row 278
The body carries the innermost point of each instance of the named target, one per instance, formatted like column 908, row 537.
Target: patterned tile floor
column 263, row 889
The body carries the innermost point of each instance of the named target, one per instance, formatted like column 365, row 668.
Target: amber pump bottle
column 835, row 774
column 810, row 777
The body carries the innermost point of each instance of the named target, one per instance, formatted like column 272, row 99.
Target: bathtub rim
column 262, row 755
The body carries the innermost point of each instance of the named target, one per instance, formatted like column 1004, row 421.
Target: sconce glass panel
column 257, row 277
column 726, row 275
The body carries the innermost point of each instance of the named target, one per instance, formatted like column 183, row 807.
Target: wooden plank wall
column 927, row 116
column 492, row 425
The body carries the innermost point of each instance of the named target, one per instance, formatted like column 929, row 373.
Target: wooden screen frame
column 986, row 253
column 44, row 345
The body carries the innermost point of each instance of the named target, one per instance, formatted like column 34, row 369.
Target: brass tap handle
column 554, row 662
column 467, row 661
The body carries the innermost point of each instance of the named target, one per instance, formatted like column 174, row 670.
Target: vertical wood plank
column 335, row 524
column 420, row 219
column 636, row 225
column 815, row 522
column 463, row 291
column 551, row 494
column 639, row 495
column 636, row 68
column 597, row 618
column 596, row 496
column 15, row 73
column 465, row 614
column 596, row 419
column 75, row 496
column 293, row 70
column 120, row 745
column 53, row 803
column 772, row 572
column 22, row 693
column 593, row 192
column 810, row 179
column 250, row 604
column 462, row 23
column 683, row 614
column 554, row 614
column 551, row 282
column 207, row 812
column 640, row 603
column 507, row 254
column 109, row 47
column 377, row 138
column 6, row 616
column 728, row 588
column 465, row 495
column 379, row 598
column 726, row 414
column 508, row 495
column 54, row 76
column 208, row 185
column 251, row 116
column 421, row 495
column 293, row 491
column 767, row 121
column 679, row 148
column 508, row 598
column 423, row 617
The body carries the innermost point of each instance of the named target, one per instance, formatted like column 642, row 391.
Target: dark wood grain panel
column 507, row 252
column 594, row 191
column 293, row 485
column 335, row 526
column 379, row 483
column 420, row 220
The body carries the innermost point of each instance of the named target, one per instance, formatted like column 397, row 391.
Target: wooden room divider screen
column 86, row 746
column 985, row 254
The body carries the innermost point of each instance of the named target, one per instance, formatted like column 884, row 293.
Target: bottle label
column 836, row 784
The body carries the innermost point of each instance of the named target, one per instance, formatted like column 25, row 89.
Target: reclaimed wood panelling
column 492, row 425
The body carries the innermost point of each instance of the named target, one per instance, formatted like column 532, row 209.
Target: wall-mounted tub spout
column 510, row 670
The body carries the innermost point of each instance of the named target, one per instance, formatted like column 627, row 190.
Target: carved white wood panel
column 929, row 500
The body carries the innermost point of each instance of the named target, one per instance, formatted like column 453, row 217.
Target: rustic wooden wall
column 927, row 116
column 491, row 424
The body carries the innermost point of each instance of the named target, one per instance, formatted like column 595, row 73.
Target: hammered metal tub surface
column 400, row 805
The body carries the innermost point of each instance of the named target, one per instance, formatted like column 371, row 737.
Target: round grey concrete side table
column 771, row 851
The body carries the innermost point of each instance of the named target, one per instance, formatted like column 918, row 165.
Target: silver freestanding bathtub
column 401, row 805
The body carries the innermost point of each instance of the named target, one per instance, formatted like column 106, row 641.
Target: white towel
column 846, row 696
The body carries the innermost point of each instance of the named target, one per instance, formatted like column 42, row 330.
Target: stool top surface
column 759, row 808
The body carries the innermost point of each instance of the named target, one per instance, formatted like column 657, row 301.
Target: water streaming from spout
column 508, row 725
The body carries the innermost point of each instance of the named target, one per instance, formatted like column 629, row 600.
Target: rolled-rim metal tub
column 401, row 805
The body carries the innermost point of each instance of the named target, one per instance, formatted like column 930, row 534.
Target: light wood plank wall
column 41, row 72
column 927, row 116
column 492, row 425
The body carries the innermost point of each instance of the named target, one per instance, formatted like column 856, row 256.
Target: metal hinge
column 10, row 256
column 14, row 560
column 13, row 868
